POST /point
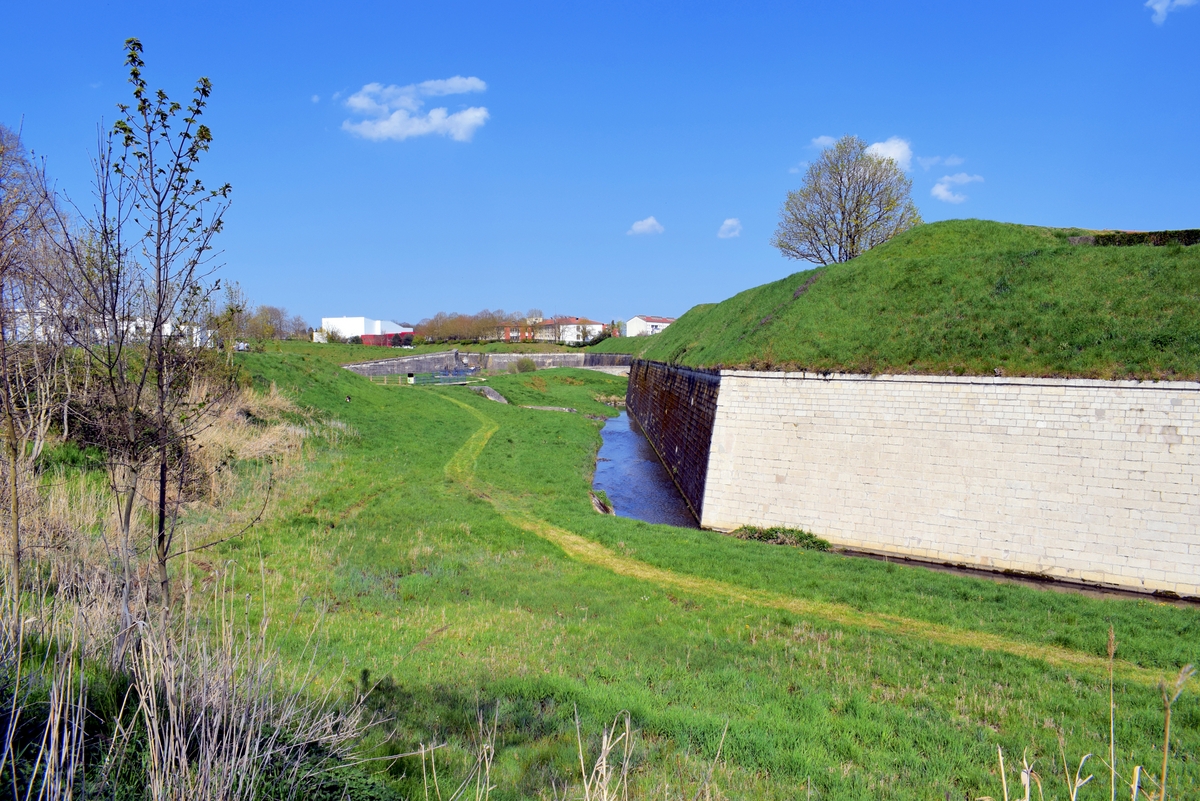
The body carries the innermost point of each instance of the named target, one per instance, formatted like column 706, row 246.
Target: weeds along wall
column 676, row 407
column 1091, row 481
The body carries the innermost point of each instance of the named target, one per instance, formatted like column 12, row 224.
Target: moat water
column 635, row 481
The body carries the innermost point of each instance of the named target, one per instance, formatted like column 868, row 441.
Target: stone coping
column 1175, row 386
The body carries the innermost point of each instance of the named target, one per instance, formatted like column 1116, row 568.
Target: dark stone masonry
column 676, row 407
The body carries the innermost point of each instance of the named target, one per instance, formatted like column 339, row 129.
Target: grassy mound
column 964, row 297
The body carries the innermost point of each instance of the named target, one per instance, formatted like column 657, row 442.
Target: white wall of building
column 359, row 326
column 640, row 326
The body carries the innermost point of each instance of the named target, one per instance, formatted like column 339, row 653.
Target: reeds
column 204, row 708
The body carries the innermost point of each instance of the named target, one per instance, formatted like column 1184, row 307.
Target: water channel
column 635, row 481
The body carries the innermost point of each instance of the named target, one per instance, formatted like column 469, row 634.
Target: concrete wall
column 1081, row 480
column 421, row 363
column 675, row 407
column 446, row 360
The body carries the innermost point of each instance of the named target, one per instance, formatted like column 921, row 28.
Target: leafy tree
column 851, row 201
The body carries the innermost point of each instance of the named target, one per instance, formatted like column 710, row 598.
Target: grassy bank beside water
column 449, row 548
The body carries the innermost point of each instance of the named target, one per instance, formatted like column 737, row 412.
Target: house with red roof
column 646, row 324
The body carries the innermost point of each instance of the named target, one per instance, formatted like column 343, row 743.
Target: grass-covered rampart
column 964, row 297
column 449, row 548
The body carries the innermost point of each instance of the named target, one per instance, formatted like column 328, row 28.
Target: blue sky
column 565, row 128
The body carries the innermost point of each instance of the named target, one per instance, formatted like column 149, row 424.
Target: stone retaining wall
column 1090, row 481
column 675, row 407
column 450, row 360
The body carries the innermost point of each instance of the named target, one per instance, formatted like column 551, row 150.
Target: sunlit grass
column 964, row 296
column 444, row 591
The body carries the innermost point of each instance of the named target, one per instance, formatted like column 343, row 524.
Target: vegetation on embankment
column 964, row 297
column 632, row 345
column 450, row 549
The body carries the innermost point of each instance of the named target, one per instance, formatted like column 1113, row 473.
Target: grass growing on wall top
column 450, row 548
column 964, row 297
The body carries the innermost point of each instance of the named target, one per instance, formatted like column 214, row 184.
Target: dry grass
column 209, row 710
column 1134, row 781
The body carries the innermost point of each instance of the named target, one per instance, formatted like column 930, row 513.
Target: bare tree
column 29, row 342
column 138, row 276
column 851, row 201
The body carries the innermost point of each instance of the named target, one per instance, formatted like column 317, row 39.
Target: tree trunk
column 162, row 544
column 14, row 457
column 125, row 514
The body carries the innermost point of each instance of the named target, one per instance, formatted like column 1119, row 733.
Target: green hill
column 964, row 297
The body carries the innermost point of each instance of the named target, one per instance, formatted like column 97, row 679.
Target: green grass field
column 964, row 297
column 449, row 548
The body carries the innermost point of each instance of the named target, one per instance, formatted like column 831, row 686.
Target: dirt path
column 461, row 469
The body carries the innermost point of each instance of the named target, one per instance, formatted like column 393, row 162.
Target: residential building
column 567, row 329
column 347, row 327
column 646, row 324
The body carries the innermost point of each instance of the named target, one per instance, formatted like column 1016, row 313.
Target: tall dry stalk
column 1170, row 696
column 608, row 778
column 221, row 714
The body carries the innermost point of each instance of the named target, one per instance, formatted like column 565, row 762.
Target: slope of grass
column 433, row 548
column 964, row 297
column 633, row 345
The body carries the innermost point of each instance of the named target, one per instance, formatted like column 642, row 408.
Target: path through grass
column 450, row 549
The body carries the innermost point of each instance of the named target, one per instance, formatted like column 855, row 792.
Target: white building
column 645, row 324
column 568, row 329
column 360, row 326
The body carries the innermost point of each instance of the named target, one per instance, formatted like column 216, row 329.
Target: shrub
column 782, row 536
column 526, row 365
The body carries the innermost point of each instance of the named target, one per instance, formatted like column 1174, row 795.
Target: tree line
column 449, row 327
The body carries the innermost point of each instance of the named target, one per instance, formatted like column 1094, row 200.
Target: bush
column 355, row 340
column 526, row 365
column 1156, row 238
column 776, row 535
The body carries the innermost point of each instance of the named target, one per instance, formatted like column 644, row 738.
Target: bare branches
column 850, row 202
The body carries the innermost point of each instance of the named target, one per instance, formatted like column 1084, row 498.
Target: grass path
column 461, row 470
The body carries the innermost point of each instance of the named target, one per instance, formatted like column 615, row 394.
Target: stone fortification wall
column 1080, row 480
column 675, row 407
column 420, row 363
column 447, row 360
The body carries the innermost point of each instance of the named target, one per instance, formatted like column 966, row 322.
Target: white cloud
column 897, row 149
column 928, row 161
column 798, row 168
column 397, row 112
column 942, row 191
column 646, row 226
column 1163, row 7
column 823, row 141
column 730, row 228
column 316, row 98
